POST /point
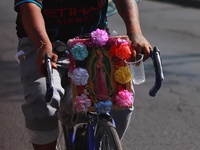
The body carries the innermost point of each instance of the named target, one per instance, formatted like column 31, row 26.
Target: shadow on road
column 10, row 87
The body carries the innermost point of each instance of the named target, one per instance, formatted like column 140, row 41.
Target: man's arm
column 34, row 26
column 128, row 10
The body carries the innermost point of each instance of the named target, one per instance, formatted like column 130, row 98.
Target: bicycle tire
column 63, row 141
column 106, row 137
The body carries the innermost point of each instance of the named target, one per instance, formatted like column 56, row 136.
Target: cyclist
column 38, row 24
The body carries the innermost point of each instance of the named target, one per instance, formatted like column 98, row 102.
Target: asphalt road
column 169, row 121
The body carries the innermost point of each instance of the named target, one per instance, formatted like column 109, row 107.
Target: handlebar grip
column 159, row 76
column 49, row 80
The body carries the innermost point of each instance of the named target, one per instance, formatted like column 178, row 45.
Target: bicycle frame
column 93, row 118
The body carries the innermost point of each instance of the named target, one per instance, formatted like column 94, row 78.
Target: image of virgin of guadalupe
column 101, row 72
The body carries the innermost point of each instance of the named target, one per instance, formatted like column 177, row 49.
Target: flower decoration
column 79, row 76
column 81, row 103
column 112, row 50
column 122, row 75
column 121, row 51
column 79, row 51
column 104, row 106
column 119, row 41
column 120, row 87
column 99, row 37
column 124, row 98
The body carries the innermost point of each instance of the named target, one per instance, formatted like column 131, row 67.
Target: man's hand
column 128, row 10
column 40, row 60
column 140, row 45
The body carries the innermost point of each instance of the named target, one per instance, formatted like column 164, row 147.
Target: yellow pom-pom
column 122, row 75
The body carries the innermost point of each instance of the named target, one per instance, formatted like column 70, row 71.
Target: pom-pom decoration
column 79, row 51
column 79, row 76
column 122, row 75
column 112, row 50
column 81, row 103
column 104, row 106
column 99, row 37
column 124, row 98
column 117, row 49
column 123, row 52
column 121, row 41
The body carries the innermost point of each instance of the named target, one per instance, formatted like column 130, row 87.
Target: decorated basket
column 98, row 72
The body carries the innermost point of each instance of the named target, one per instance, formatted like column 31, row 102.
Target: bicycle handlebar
column 159, row 76
column 49, row 80
column 155, row 56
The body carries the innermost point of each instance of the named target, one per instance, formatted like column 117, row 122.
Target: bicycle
column 100, row 130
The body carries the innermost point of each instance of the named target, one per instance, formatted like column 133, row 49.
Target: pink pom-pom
column 124, row 98
column 99, row 37
column 81, row 103
column 122, row 41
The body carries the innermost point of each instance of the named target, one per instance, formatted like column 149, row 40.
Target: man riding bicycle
column 38, row 24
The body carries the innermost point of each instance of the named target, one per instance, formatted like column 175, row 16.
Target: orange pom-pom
column 123, row 52
column 112, row 50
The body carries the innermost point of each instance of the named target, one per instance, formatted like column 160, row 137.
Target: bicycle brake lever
column 49, row 80
column 159, row 76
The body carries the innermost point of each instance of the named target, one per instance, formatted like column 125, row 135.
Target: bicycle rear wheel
column 106, row 137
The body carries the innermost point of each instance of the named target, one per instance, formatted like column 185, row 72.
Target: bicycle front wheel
column 106, row 137
column 64, row 141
